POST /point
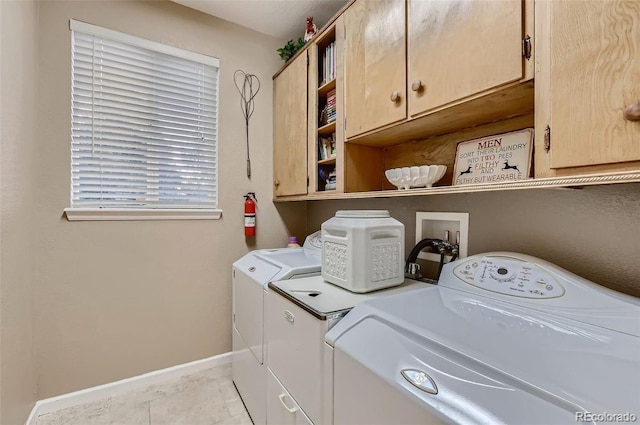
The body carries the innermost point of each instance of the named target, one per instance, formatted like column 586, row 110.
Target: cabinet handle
column 395, row 96
column 276, row 182
column 293, row 409
column 632, row 113
column 416, row 85
column 289, row 316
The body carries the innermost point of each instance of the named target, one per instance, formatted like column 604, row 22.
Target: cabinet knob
column 632, row 113
column 276, row 182
column 416, row 85
column 395, row 96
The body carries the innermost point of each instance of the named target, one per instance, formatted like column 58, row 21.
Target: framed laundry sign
column 499, row 158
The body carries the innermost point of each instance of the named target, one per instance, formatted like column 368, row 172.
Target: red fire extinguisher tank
column 250, row 214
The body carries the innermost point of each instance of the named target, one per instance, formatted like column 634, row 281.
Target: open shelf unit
column 366, row 160
column 324, row 114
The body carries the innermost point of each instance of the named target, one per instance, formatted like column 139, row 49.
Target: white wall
column 18, row 83
column 593, row 232
column 116, row 299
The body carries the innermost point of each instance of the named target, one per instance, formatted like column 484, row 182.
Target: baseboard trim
column 89, row 395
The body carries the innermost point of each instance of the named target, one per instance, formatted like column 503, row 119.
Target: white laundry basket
column 363, row 250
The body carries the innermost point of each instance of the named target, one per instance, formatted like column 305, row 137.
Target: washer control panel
column 314, row 241
column 509, row 277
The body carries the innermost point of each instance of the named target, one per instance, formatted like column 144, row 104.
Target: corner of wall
column 18, row 120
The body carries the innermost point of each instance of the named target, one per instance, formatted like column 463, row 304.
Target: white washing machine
column 298, row 315
column 251, row 274
column 503, row 339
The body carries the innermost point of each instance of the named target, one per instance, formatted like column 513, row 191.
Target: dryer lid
column 257, row 268
column 291, row 261
column 588, row 366
column 443, row 385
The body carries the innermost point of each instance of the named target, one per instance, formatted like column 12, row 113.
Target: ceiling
column 284, row 19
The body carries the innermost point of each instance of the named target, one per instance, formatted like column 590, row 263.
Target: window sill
column 115, row 214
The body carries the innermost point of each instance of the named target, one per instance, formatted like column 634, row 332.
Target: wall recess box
column 432, row 225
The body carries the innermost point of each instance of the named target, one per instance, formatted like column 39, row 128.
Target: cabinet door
column 595, row 75
column 375, row 65
column 290, row 129
column 460, row 48
column 295, row 349
column 282, row 409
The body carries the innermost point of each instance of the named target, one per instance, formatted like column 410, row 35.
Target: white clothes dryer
column 503, row 339
column 251, row 274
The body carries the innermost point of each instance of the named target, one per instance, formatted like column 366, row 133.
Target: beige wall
column 18, row 30
column 117, row 299
column 593, row 232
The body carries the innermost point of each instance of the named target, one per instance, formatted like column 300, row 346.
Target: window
column 144, row 125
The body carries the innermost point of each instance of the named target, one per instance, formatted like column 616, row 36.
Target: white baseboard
column 89, row 395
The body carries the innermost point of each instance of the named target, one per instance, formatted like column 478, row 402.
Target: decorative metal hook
column 248, row 86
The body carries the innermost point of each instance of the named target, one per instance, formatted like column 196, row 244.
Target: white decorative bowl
column 422, row 176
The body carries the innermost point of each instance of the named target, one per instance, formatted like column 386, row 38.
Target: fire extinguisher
column 250, row 214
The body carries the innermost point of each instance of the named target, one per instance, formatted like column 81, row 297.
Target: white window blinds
column 144, row 123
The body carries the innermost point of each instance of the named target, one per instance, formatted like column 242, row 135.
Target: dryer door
column 250, row 274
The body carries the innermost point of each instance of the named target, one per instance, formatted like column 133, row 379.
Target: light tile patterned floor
column 205, row 398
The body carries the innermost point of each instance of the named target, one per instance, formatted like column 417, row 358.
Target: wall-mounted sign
column 499, row 158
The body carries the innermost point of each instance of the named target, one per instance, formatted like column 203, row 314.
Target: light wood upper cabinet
column 375, row 65
column 587, row 75
column 457, row 49
column 290, row 129
column 455, row 70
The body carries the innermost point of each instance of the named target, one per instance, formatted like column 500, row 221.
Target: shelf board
column 326, row 88
column 543, row 183
column 327, row 128
column 327, row 161
column 326, row 37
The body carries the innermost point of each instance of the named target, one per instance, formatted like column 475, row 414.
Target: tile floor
column 205, row 398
